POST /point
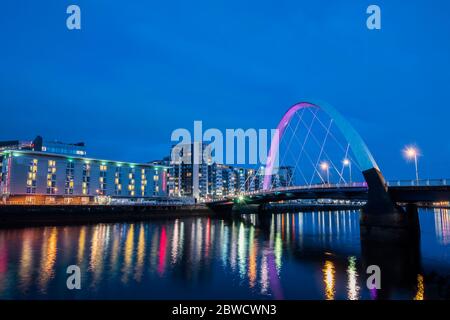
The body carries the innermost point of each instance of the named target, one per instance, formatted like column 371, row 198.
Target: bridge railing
column 307, row 187
column 418, row 183
column 392, row 183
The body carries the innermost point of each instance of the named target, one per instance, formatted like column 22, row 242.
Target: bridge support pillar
column 382, row 220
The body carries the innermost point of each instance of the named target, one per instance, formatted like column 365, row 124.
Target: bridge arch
column 361, row 152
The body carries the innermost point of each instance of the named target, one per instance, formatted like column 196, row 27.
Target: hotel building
column 42, row 177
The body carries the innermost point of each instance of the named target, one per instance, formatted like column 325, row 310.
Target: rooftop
column 17, row 153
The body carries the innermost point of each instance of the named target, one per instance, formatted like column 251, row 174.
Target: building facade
column 207, row 180
column 38, row 177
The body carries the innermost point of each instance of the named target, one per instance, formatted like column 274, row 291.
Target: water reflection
column 442, row 225
column 3, row 263
column 26, row 261
column 140, row 254
column 303, row 255
column 328, row 278
column 162, row 251
column 81, row 245
column 352, row 284
column 48, row 257
column 420, row 288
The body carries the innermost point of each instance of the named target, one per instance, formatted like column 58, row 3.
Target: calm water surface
column 283, row 256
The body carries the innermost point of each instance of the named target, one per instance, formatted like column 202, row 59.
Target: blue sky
column 140, row 69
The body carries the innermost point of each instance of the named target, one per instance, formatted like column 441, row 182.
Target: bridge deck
column 355, row 192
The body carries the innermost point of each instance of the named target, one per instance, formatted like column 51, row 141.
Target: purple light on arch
column 362, row 154
column 275, row 144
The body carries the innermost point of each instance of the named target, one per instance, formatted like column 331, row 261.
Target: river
column 306, row 255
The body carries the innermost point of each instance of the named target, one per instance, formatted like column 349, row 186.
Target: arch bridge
column 382, row 217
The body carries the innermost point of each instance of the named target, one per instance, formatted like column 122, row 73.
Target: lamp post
column 413, row 153
column 348, row 163
column 326, row 167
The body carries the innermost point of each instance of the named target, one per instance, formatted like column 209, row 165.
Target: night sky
column 140, row 69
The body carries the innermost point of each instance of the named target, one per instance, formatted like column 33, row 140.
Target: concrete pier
column 382, row 220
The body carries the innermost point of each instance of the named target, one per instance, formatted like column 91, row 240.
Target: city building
column 207, row 180
column 189, row 176
column 39, row 144
column 284, row 176
column 42, row 177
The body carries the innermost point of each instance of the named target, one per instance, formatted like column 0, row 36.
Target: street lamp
column 326, row 167
column 348, row 163
column 413, row 153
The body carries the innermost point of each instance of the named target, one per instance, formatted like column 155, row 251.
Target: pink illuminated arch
column 358, row 146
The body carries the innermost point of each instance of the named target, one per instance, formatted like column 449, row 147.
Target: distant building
column 206, row 180
column 64, row 176
column 189, row 176
column 39, row 144
column 285, row 176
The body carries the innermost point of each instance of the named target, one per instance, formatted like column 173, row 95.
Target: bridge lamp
column 413, row 153
column 326, row 167
column 347, row 163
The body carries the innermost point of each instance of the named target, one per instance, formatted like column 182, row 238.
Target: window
column 118, row 181
column 86, row 179
column 102, row 179
column 131, row 184
column 51, row 177
column 31, row 177
column 70, row 174
column 143, row 182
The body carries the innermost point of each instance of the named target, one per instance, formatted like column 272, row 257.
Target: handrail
column 392, row 183
column 419, row 183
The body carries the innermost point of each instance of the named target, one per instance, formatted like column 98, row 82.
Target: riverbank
column 31, row 215
column 12, row 216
